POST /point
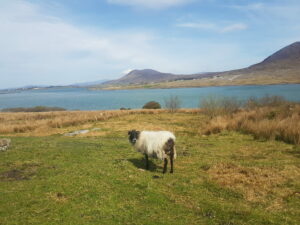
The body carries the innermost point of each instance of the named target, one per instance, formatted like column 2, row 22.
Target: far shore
column 230, row 80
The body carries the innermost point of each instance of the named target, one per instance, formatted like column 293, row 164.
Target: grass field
column 97, row 178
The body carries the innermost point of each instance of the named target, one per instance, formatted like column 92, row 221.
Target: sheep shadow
column 141, row 164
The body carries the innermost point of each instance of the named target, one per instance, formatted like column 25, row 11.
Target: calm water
column 83, row 99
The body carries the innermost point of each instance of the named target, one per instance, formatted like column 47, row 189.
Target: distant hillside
column 290, row 53
column 143, row 76
column 281, row 67
column 284, row 62
column 147, row 76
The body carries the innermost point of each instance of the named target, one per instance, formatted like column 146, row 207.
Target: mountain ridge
column 285, row 60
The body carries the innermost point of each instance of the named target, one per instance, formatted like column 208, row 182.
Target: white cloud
column 214, row 27
column 152, row 4
column 206, row 26
column 126, row 71
column 234, row 27
column 38, row 48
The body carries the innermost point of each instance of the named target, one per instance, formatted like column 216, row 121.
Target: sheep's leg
column 171, row 160
column 147, row 162
column 165, row 165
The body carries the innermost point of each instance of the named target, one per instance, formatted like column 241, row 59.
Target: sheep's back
column 152, row 143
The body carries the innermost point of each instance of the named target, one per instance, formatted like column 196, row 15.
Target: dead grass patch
column 47, row 123
column 271, row 123
column 265, row 185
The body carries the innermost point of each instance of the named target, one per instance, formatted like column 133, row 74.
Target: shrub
column 123, row 108
column 152, row 105
column 213, row 105
column 267, row 100
column 172, row 103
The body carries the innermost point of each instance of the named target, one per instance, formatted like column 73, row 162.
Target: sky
column 59, row 42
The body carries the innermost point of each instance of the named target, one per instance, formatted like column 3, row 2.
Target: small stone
column 76, row 132
column 4, row 144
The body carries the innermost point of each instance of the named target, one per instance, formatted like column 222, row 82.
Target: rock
column 76, row 132
column 96, row 129
column 4, row 144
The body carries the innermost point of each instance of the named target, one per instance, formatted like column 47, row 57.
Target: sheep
column 155, row 144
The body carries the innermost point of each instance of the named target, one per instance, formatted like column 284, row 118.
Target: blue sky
column 52, row 42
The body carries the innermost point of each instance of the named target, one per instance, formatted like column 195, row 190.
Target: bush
column 152, row 105
column 213, row 105
column 172, row 103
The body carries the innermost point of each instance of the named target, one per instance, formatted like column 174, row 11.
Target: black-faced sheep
column 155, row 144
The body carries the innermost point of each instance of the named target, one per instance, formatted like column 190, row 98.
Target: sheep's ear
column 138, row 133
column 129, row 132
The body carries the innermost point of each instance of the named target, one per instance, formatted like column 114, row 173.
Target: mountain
column 144, row 76
column 152, row 76
column 281, row 67
column 286, row 61
column 288, row 53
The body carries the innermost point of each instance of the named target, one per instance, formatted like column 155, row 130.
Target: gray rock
column 4, row 144
column 76, row 132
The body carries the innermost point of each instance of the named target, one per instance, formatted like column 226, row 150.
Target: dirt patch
column 256, row 184
column 58, row 197
column 21, row 171
column 13, row 175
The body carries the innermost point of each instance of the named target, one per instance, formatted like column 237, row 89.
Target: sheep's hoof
column 171, row 171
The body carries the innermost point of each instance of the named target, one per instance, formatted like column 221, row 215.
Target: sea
column 85, row 99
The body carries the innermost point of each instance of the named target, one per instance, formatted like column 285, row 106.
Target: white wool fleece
column 152, row 143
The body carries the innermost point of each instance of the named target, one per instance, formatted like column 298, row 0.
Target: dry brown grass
column 255, row 183
column 275, row 123
column 47, row 123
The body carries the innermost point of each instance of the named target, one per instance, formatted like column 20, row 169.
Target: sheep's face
column 133, row 136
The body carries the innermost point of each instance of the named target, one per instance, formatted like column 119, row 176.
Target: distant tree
column 152, row 105
column 173, row 103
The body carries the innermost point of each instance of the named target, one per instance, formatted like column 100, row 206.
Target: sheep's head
column 133, row 136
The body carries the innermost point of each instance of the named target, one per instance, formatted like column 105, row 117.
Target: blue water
column 84, row 99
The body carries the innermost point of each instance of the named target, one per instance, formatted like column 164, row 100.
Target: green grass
column 100, row 180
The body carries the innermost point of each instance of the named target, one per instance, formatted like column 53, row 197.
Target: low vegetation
column 270, row 117
column 152, row 105
column 173, row 103
column 34, row 109
column 47, row 123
